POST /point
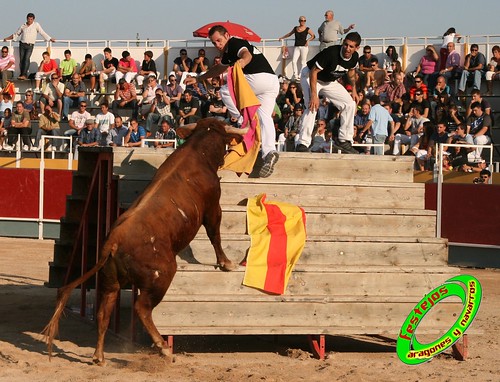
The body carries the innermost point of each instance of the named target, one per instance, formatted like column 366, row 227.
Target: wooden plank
column 342, row 252
column 312, row 283
column 234, row 222
column 271, row 317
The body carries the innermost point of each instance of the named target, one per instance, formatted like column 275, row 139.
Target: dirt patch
column 26, row 306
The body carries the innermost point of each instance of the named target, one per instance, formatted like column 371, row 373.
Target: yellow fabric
column 238, row 159
column 266, row 267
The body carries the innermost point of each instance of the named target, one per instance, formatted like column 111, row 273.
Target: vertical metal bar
column 40, row 199
column 439, row 192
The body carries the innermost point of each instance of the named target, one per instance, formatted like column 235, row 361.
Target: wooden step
column 347, row 221
column 329, row 193
column 331, row 250
column 291, row 166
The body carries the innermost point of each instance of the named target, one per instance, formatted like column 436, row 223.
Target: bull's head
column 233, row 135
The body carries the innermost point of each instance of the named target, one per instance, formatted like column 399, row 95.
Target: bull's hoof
column 99, row 362
column 227, row 266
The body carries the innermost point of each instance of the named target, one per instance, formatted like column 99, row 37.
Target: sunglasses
column 83, row 105
column 54, row 78
column 367, row 51
column 418, row 81
column 302, row 21
column 474, row 50
column 5, row 51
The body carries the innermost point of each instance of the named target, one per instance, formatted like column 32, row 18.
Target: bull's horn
column 234, row 130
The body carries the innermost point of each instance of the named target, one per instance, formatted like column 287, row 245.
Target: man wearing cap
column 89, row 136
column 26, row 35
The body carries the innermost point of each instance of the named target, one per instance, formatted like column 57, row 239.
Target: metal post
column 439, row 191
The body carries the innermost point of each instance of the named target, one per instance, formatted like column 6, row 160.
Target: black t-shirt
column 149, row 66
column 113, row 61
column 477, row 124
column 259, row 63
column 332, row 64
column 186, row 106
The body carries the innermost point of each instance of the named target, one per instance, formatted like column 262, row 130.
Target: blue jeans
column 25, row 51
column 377, row 138
column 465, row 76
column 70, row 101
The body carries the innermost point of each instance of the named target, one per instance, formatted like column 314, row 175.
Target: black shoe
column 301, row 148
column 269, row 162
column 346, row 147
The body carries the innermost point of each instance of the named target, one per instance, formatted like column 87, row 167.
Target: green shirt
column 67, row 66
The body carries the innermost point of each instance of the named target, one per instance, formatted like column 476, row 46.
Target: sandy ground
column 26, row 306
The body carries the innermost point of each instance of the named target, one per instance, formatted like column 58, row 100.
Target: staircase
column 370, row 256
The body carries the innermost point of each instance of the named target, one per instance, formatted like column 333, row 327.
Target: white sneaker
column 26, row 148
column 35, row 148
column 8, row 147
column 37, row 90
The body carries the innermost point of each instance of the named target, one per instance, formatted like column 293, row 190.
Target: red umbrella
column 234, row 29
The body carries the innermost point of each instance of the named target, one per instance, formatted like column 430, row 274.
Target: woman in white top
column 448, row 36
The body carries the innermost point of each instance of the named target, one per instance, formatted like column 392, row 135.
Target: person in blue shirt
column 381, row 124
column 135, row 134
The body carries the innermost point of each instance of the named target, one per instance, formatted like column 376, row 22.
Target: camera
column 478, row 180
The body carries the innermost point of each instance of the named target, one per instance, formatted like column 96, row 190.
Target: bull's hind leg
column 211, row 221
column 107, row 304
column 149, row 297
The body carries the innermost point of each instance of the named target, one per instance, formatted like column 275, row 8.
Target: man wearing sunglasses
column 7, row 66
column 473, row 67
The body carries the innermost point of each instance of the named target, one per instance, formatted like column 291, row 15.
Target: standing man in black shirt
column 261, row 78
column 319, row 78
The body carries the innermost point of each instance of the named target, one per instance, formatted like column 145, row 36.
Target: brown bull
column 142, row 245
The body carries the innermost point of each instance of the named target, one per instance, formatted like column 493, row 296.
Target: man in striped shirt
column 26, row 35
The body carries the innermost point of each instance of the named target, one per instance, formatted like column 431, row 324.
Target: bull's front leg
column 211, row 221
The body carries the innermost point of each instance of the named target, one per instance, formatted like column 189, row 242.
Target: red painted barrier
column 470, row 212
column 19, row 190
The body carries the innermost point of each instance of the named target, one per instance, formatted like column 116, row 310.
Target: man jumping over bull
column 261, row 79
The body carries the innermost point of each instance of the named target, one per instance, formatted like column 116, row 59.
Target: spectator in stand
column 109, row 67
column 7, row 66
column 160, row 110
column 148, row 68
column 390, row 58
column 5, row 125
column 329, row 30
column 67, row 66
column 148, row 96
column 200, row 92
column 46, row 68
column 88, row 71
column 294, row 95
column 281, row 97
column 117, row 134
column 90, row 136
column 165, row 132
column 474, row 65
column 438, row 136
column 420, row 100
column 53, row 94
column 20, row 125
column 479, row 126
column 77, row 120
column 476, row 97
column 74, row 94
column 302, row 34
column 381, row 124
column 413, row 129
column 105, row 120
column 182, row 66
column 5, row 103
column 135, row 135
column 201, row 63
column 448, row 37
column 427, row 66
column 419, row 85
column 189, row 109
column 127, row 68
column 26, row 35
column 392, row 91
column 364, row 65
column 360, row 121
column 293, row 127
column 452, row 66
column 47, row 125
column 423, row 146
column 174, row 92
column 493, row 72
column 454, row 118
column 319, row 137
column 30, row 104
column 216, row 107
column 125, row 97
column 319, row 78
column 440, row 99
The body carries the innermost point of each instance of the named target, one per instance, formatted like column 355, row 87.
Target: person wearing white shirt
column 26, row 35
column 7, row 66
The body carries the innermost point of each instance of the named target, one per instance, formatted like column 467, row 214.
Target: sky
column 169, row 20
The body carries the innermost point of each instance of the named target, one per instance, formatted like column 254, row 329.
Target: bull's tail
column 63, row 294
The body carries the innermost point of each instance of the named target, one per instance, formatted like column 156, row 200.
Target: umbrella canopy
column 234, row 29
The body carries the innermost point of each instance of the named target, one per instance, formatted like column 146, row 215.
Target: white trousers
column 129, row 76
column 266, row 88
column 299, row 52
column 335, row 93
